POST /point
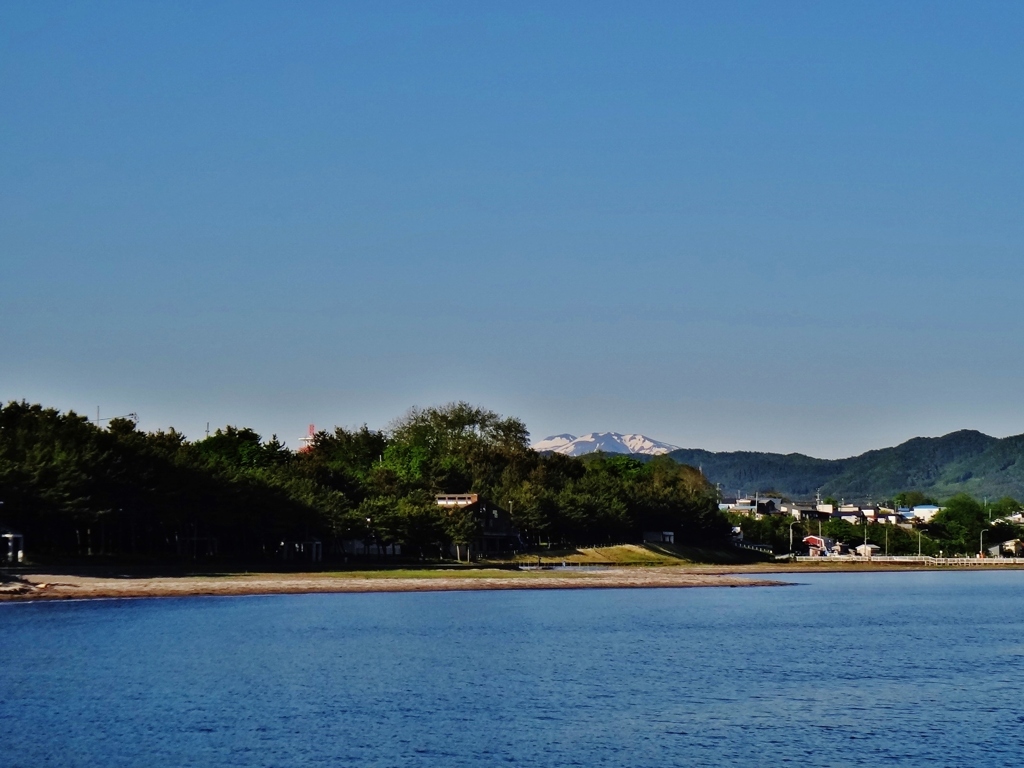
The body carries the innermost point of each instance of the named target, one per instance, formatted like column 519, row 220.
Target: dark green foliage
column 959, row 524
column 233, row 449
column 75, row 489
column 911, row 499
column 344, row 461
column 1004, row 506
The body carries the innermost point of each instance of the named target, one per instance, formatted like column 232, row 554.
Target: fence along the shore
column 927, row 559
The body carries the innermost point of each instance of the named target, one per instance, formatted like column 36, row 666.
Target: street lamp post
column 981, row 542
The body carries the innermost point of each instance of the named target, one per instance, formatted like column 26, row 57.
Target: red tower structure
column 306, row 442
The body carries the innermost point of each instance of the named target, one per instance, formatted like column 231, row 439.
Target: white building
column 925, row 512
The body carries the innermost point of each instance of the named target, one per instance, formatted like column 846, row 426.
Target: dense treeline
column 73, row 488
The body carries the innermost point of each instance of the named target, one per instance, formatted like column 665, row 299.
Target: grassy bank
column 634, row 554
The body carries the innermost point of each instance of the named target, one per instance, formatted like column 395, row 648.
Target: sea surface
column 908, row 669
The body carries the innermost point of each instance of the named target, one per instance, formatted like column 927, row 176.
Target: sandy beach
column 42, row 586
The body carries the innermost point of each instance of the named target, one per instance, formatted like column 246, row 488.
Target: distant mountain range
column 609, row 442
column 961, row 462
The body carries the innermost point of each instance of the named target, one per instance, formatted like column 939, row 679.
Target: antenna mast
column 306, row 442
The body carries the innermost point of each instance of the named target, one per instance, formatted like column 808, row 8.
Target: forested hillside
column 74, row 489
column 961, row 462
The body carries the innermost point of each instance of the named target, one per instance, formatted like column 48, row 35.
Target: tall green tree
column 959, row 524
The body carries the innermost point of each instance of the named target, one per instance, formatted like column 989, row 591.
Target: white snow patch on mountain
column 609, row 442
column 553, row 443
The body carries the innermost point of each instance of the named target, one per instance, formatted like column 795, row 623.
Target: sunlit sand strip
column 64, row 587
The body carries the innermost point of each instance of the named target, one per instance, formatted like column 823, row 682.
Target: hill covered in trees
column 961, row 462
column 73, row 488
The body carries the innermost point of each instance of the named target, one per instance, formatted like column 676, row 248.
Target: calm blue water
column 848, row 669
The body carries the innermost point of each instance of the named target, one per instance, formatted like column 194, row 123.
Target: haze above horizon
column 778, row 227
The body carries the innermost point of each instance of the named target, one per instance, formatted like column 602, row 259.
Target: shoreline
column 42, row 585
column 33, row 587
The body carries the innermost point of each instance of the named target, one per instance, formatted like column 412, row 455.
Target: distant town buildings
column 759, row 507
column 1011, row 548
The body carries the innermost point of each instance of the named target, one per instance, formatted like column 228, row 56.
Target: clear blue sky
column 767, row 226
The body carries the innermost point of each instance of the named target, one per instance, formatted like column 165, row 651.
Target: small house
column 867, row 550
column 804, row 511
column 1011, row 548
column 821, row 546
column 495, row 532
column 756, row 507
column 849, row 513
column 740, row 506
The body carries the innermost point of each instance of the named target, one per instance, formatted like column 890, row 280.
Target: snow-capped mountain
column 553, row 443
column 609, row 442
